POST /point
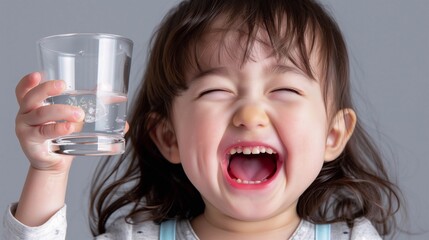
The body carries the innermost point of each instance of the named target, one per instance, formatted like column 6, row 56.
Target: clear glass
column 96, row 69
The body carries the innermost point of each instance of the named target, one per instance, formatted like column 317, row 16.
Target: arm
column 42, row 196
column 44, row 191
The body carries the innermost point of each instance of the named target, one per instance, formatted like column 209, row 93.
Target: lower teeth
column 249, row 181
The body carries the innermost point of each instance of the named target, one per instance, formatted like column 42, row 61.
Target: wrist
column 59, row 168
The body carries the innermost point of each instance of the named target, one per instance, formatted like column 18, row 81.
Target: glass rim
column 43, row 40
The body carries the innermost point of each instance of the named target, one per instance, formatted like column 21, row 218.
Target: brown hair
column 354, row 185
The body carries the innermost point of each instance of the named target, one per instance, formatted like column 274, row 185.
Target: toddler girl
column 243, row 128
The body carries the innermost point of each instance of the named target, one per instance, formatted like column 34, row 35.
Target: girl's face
column 251, row 137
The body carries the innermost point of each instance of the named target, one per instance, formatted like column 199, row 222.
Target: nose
column 250, row 116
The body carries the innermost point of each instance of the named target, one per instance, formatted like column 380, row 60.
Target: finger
column 37, row 95
column 110, row 99
column 127, row 127
column 53, row 113
column 47, row 131
column 26, row 84
column 50, row 131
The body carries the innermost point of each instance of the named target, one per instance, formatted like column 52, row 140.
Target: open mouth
column 252, row 165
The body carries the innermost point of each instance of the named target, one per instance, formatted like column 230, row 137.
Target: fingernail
column 59, row 84
column 78, row 114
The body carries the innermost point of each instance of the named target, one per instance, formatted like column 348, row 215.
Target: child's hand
column 37, row 122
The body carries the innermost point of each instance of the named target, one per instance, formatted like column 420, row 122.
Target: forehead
column 236, row 45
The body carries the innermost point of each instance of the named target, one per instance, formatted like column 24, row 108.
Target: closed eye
column 290, row 90
column 285, row 94
column 215, row 94
column 208, row 91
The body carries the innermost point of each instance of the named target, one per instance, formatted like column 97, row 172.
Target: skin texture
column 45, row 188
column 263, row 102
column 44, row 191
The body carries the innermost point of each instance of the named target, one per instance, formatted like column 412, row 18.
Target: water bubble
column 71, row 101
column 93, row 107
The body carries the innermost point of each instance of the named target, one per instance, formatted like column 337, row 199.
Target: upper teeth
column 252, row 150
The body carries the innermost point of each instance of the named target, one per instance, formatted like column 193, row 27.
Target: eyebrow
column 216, row 70
column 285, row 68
column 270, row 69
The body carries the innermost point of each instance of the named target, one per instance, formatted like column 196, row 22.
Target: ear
column 164, row 137
column 340, row 131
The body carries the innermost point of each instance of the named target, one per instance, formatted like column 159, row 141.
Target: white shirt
column 55, row 228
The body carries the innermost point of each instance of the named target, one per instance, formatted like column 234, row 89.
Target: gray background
column 389, row 47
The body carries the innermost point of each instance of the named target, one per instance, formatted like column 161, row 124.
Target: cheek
column 198, row 135
column 306, row 142
column 195, row 130
column 304, row 156
column 304, row 122
column 303, row 134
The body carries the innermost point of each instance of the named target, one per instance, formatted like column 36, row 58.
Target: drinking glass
column 96, row 69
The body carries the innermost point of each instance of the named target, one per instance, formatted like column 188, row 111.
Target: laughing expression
column 251, row 137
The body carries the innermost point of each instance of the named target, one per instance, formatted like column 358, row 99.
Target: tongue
column 251, row 167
